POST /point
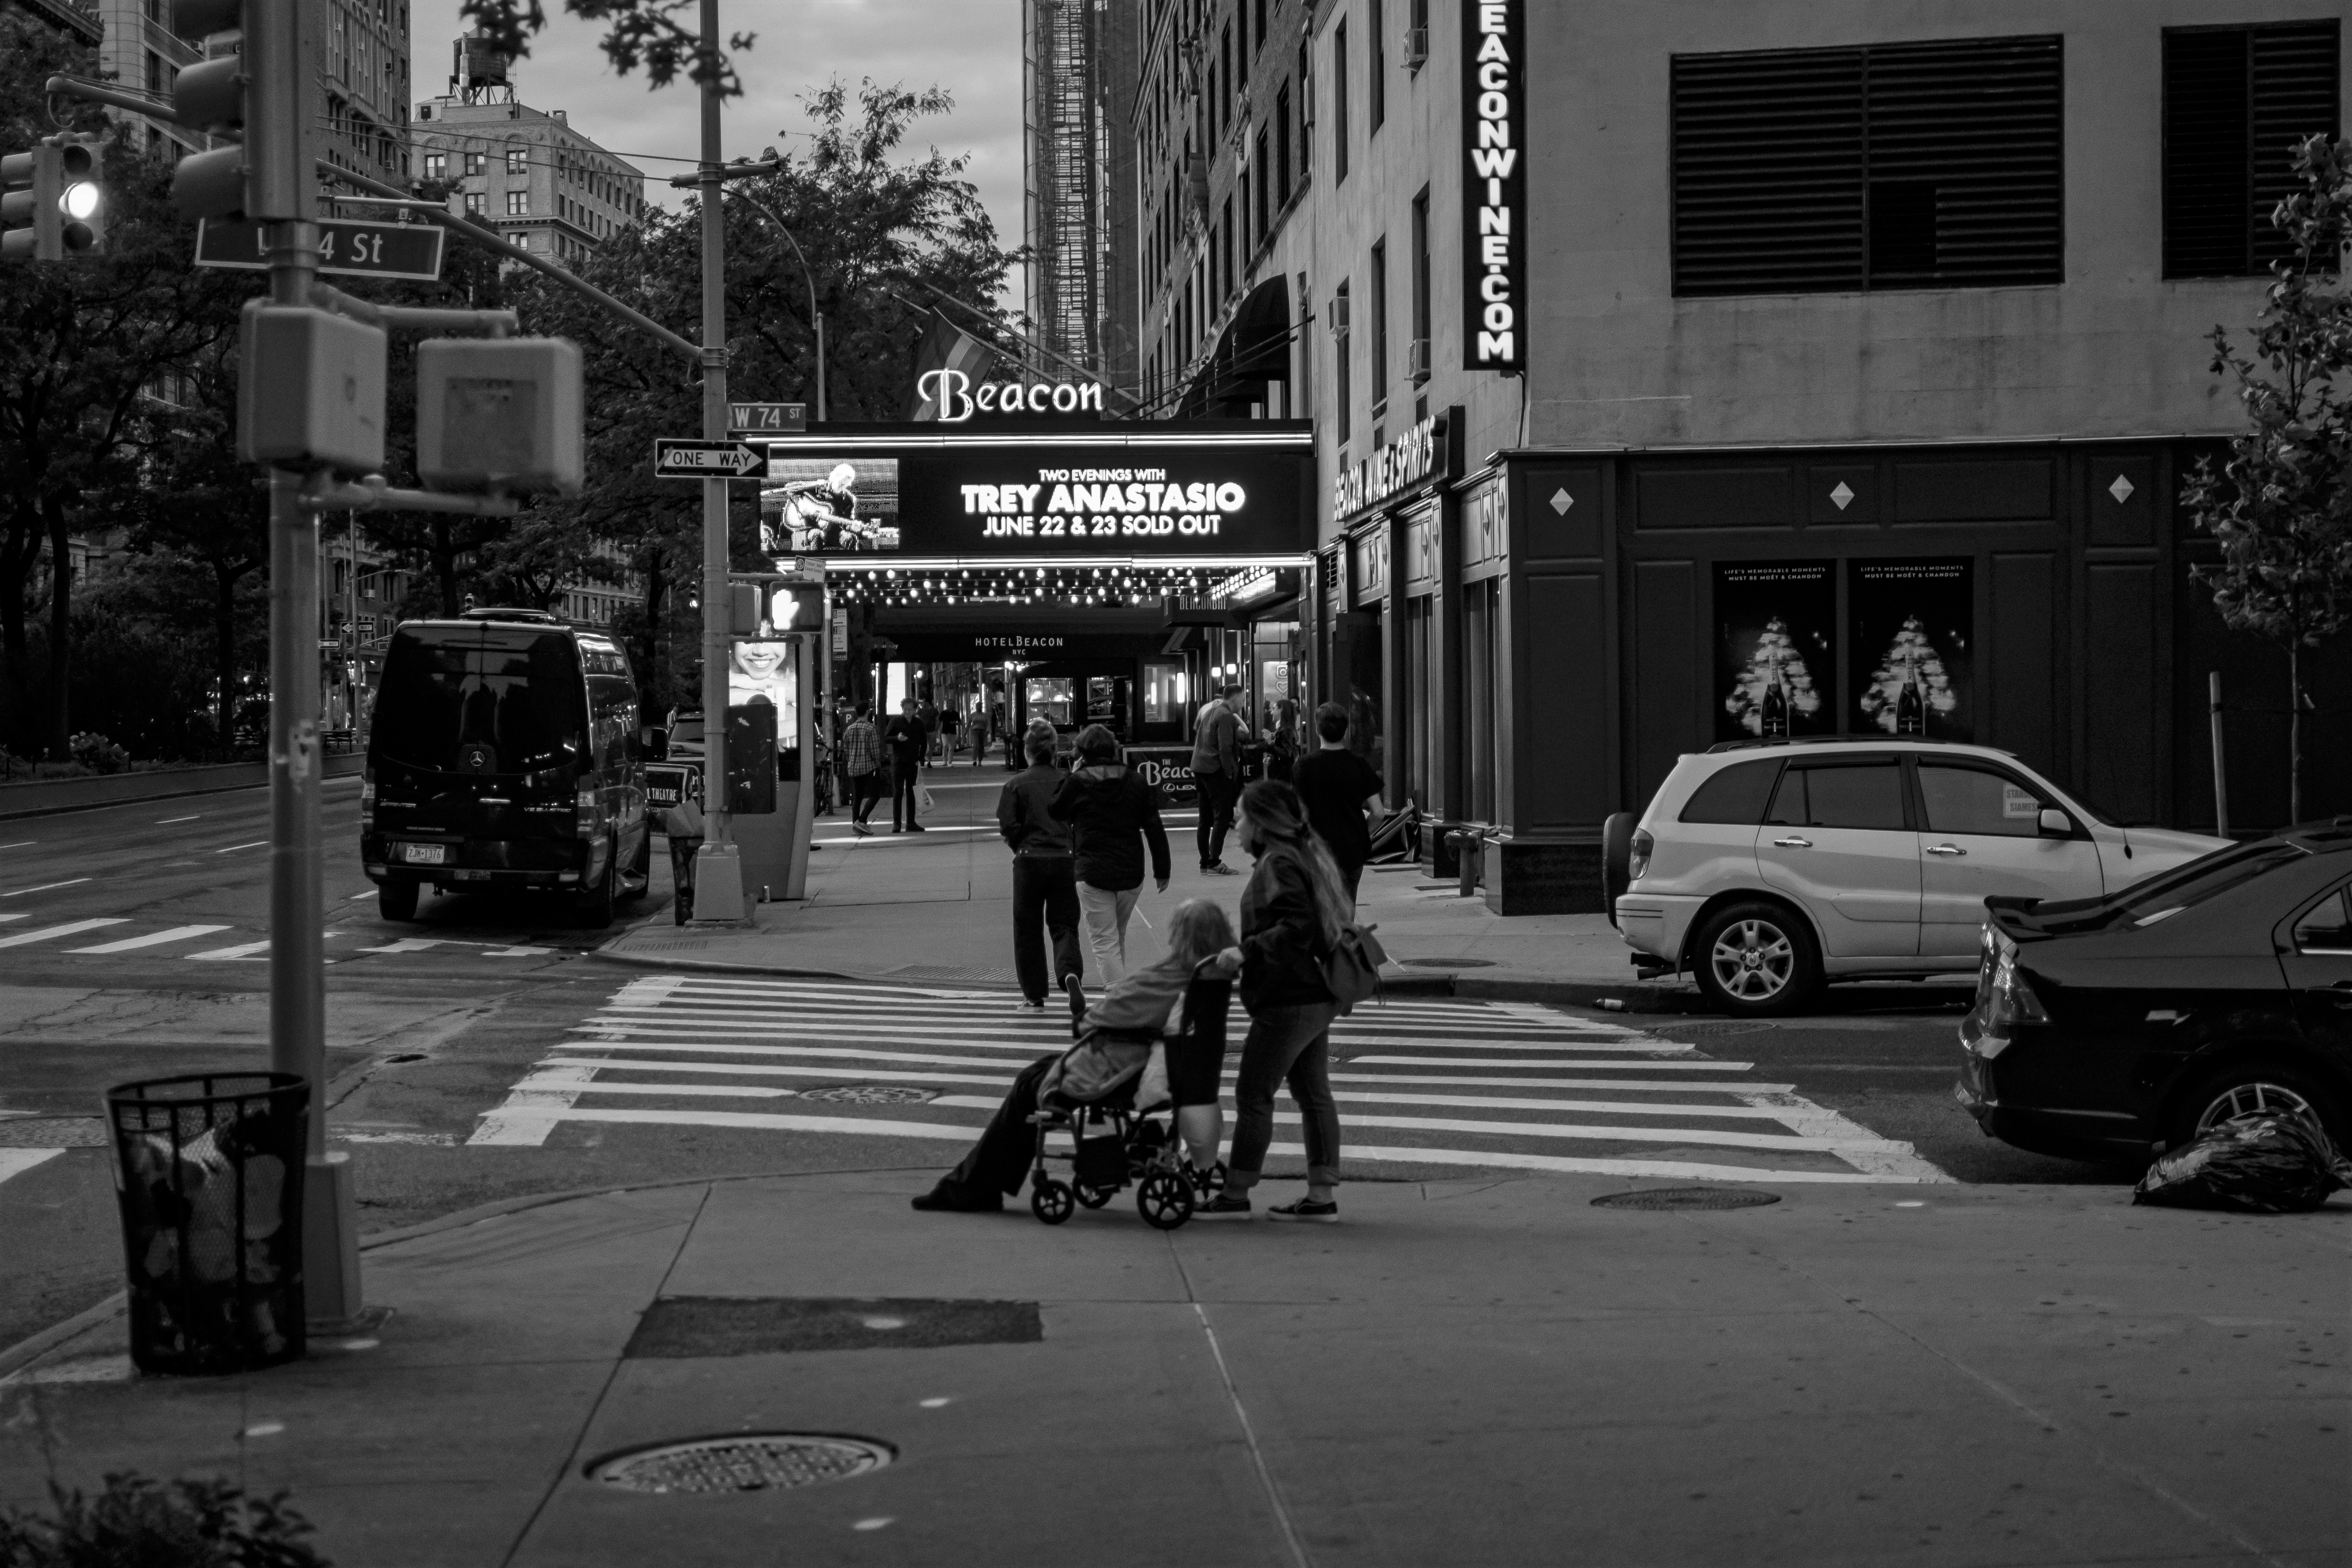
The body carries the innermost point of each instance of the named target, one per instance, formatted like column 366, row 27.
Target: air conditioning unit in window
column 1416, row 47
column 1416, row 360
column 1338, row 316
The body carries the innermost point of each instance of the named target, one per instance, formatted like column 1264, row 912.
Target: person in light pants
column 1112, row 814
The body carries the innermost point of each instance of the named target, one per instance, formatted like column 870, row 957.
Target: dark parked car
column 2114, row 1027
column 504, row 752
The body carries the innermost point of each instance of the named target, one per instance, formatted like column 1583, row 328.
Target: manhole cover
column 1688, row 1198
column 749, row 1463
column 1448, row 962
column 52, row 1132
column 869, row 1094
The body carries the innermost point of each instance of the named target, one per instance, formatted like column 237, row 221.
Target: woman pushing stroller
column 1147, row 1001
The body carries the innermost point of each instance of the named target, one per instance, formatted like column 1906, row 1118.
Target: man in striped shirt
column 861, row 760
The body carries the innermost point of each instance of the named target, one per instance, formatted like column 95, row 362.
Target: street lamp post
column 807, row 273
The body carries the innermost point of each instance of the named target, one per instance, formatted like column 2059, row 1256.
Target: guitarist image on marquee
column 823, row 515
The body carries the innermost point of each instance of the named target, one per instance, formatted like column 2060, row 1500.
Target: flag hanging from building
column 949, row 363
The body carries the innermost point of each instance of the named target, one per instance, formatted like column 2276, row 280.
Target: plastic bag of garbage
column 2271, row 1161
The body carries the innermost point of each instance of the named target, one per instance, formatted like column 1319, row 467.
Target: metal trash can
column 208, row 1172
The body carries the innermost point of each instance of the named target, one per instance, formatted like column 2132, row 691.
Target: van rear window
column 1737, row 796
column 493, row 700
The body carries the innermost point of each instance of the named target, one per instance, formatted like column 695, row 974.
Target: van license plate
column 425, row 854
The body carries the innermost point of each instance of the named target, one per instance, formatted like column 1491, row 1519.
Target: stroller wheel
column 1093, row 1197
column 1206, row 1183
column 1050, row 1201
column 1165, row 1200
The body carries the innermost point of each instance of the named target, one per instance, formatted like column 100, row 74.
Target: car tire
column 2240, row 1088
column 1616, row 860
column 397, row 900
column 596, row 904
column 1756, row 959
column 640, row 879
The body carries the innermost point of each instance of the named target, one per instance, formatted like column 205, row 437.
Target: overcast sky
column 972, row 48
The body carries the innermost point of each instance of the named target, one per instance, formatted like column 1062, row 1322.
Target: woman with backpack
column 1294, row 910
column 1113, row 816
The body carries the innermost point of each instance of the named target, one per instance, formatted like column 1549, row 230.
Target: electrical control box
column 312, row 389
column 498, row 413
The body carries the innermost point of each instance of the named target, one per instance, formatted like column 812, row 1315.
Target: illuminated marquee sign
column 958, row 400
column 1024, row 495
column 1494, row 187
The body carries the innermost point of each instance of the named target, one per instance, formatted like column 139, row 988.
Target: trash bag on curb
column 2271, row 1161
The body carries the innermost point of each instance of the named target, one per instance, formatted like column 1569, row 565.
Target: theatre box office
column 1545, row 634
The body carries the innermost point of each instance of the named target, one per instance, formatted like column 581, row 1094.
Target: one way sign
column 678, row 459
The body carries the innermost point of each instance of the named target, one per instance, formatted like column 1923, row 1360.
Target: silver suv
column 1770, row 868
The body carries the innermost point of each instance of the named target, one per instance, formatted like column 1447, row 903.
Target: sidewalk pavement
column 1477, row 1372
column 947, row 896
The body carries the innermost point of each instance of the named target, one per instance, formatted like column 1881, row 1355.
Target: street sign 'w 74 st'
column 682, row 460
column 346, row 247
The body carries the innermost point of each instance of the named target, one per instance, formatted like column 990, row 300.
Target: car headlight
column 1638, row 863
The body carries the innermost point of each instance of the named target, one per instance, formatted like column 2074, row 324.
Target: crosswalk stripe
column 71, row 928
column 765, row 1070
column 860, row 1053
column 152, row 939
column 17, row 1162
column 1648, row 1064
column 15, row 915
column 249, row 950
column 1646, row 1086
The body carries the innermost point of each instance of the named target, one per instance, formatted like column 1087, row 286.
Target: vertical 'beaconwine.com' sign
column 1494, row 187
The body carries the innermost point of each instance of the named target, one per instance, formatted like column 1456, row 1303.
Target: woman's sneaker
column 1224, row 1205
column 1324, row 1213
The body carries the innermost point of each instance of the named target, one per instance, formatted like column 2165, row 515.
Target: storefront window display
column 1053, row 698
column 1912, row 624
column 1776, row 649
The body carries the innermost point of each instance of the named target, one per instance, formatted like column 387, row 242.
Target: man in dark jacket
column 904, row 736
column 1045, row 885
column 1107, row 805
column 1217, row 771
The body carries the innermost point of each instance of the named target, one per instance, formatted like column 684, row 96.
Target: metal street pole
column 808, row 274
column 718, row 869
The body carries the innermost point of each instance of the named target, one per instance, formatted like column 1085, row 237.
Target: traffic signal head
column 259, row 90
column 52, row 204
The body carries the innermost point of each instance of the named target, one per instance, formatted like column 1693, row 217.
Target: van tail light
column 588, row 820
column 1638, row 863
column 367, row 800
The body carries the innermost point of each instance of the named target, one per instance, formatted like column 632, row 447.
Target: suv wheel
column 2243, row 1089
column 397, row 900
column 1756, row 959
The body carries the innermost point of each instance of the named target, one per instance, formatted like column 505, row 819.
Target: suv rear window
column 1851, row 795
column 514, row 693
column 1735, row 795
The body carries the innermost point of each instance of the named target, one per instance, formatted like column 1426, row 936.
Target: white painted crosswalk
column 189, row 942
column 1414, row 1080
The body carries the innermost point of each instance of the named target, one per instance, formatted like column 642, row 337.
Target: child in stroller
column 1101, row 1096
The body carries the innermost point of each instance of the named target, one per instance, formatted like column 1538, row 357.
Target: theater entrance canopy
column 1005, row 506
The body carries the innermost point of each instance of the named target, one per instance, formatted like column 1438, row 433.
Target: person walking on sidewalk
column 861, row 765
column 1150, row 1001
column 1217, row 772
column 1292, row 913
column 905, row 735
column 1340, row 791
column 1108, row 806
column 1045, row 885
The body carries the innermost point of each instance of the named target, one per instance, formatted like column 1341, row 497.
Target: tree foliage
column 2280, row 506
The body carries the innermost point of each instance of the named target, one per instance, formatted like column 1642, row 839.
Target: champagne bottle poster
column 1911, row 647
column 1775, row 649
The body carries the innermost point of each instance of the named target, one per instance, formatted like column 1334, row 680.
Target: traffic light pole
column 718, row 869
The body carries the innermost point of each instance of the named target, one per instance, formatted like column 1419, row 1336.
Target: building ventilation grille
column 1896, row 166
column 2237, row 102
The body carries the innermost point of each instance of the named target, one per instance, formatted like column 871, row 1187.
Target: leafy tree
column 2281, row 506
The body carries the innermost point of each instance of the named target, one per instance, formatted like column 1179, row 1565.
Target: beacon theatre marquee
column 1044, row 493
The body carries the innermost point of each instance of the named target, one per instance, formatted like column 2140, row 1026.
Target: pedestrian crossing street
column 203, row 943
column 1430, row 1084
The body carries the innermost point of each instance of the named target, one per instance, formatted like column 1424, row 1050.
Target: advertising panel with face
column 1912, row 627
column 760, row 671
column 1025, row 499
column 1775, row 649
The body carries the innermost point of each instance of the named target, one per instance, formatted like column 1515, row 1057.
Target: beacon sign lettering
column 1494, row 187
column 957, row 399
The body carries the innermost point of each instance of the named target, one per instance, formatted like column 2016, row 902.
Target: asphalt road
column 432, row 1024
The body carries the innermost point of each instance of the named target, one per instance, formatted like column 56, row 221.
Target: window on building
column 1377, row 298
column 2237, row 102
column 1340, row 103
column 1376, row 66
column 1257, row 31
column 1224, row 285
column 473, row 204
column 1282, row 145
column 1339, row 387
column 517, row 159
column 437, row 165
column 1418, row 356
column 1264, row 178
column 1242, row 57
column 1306, row 111
column 1250, row 234
column 1893, row 166
column 518, row 204
column 476, row 162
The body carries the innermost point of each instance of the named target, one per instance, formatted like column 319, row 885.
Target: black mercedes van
column 503, row 752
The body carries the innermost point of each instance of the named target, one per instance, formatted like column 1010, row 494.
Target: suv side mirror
column 2056, row 824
